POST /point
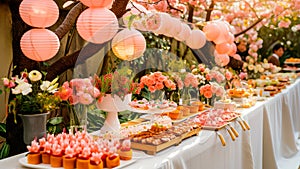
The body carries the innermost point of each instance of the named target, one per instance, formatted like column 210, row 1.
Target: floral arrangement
column 78, row 91
column 157, row 81
column 211, row 90
column 255, row 69
column 117, row 83
column 32, row 95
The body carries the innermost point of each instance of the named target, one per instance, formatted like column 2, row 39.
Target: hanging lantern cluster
column 97, row 24
column 219, row 32
column 39, row 44
column 165, row 24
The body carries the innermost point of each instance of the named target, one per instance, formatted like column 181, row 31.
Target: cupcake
column 83, row 159
column 34, row 153
column 95, row 161
column 56, row 156
column 69, row 159
column 125, row 151
column 46, row 153
column 113, row 159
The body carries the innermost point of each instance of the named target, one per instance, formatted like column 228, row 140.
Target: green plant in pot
column 33, row 99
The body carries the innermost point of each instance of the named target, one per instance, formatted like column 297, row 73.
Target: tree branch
column 172, row 7
column 191, row 13
column 69, row 61
column 209, row 11
column 250, row 27
column 70, row 20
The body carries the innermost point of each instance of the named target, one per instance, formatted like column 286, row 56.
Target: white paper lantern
column 128, row 44
column 196, row 40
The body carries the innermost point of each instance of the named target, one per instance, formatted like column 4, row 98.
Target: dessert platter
column 67, row 150
column 238, row 93
column 217, row 119
column 152, row 107
column 292, row 61
column 160, row 137
column 23, row 161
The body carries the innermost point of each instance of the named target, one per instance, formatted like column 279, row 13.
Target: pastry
column 199, row 104
column 34, row 156
column 113, row 160
column 83, row 159
column 46, row 153
column 56, row 156
column 69, row 159
column 125, row 151
column 176, row 114
column 95, row 161
column 185, row 111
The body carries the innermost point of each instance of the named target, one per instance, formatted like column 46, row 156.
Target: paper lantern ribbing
column 98, row 3
column 39, row 44
column 128, row 44
column 97, row 25
column 175, row 27
column 196, row 40
column 41, row 13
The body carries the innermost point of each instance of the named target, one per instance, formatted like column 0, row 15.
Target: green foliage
column 3, row 130
column 286, row 36
column 55, row 125
column 4, row 151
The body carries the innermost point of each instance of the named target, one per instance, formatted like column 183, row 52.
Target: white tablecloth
column 272, row 142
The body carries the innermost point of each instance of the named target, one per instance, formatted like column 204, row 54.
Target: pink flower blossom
column 228, row 75
column 85, row 98
column 243, row 75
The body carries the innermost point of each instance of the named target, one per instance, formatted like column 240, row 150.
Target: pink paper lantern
column 97, row 25
column 237, row 57
column 221, row 59
column 41, row 13
column 98, row 3
column 223, row 48
column 128, row 44
column 39, row 44
column 211, row 31
column 184, row 33
column 233, row 49
column 223, row 34
column 196, row 40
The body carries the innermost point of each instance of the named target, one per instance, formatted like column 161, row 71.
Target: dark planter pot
column 34, row 126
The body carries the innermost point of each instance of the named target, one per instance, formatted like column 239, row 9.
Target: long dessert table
column 271, row 143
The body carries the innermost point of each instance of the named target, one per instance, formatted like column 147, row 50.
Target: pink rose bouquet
column 157, row 81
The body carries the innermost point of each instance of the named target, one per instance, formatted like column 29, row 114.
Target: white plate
column 23, row 161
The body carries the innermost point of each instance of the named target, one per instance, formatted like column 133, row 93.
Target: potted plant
column 33, row 99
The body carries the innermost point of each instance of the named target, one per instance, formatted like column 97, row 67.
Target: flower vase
column 157, row 96
column 112, row 105
column 185, row 96
column 34, row 126
column 175, row 97
column 78, row 117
